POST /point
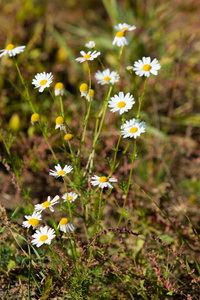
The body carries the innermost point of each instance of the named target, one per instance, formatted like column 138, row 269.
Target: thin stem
column 141, row 98
column 24, row 84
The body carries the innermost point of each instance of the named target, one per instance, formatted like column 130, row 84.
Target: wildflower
column 106, row 77
column 42, row 80
column 90, row 95
column 11, row 50
column 65, row 225
column 124, row 27
column 43, row 236
column 129, row 68
column 71, row 197
column 103, row 181
column 47, row 204
column 59, row 89
column 33, row 220
column 35, row 118
column 59, row 171
column 146, row 67
column 120, row 39
column 90, row 44
column 121, row 102
column 60, row 123
column 84, row 88
column 68, row 137
column 87, row 56
column 132, row 128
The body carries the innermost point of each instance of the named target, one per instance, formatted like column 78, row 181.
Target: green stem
column 141, row 98
column 98, row 223
column 61, row 107
column 24, row 84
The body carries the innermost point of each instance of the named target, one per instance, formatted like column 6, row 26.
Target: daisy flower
column 60, row 123
column 84, row 88
column 121, row 102
column 146, row 67
column 106, row 77
column 35, row 118
column 59, row 171
column 68, row 137
column 132, row 128
column 59, row 89
column 47, row 204
column 43, row 236
column 120, row 39
column 103, row 181
column 33, row 220
column 65, row 225
column 90, row 44
column 42, row 80
column 90, row 95
column 124, row 27
column 87, row 56
column 71, row 197
column 11, row 50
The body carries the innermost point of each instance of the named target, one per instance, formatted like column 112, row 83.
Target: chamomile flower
column 90, row 95
column 47, row 204
column 90, row 44
column 124, row 27
column 106, row 77
column 59, row 171
column 146, row 67
column 65, row 225
column 11, row 50
column 43, row 236
column 132, row 128
column 120, row 39
column 68, row 137
column 71, row 197
column 60, row 123
column 121, row 102
column 33, row 220
column 84, row 88
column 87, row 56
column 42, row 80
column 35, row 118
column 103, row 181
column 59, row 89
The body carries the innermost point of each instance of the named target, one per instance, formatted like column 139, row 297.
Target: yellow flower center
column 10, row 47
column 43, row 238
column 103, row 179
column 133, row 129
column 146, row 68
column 68, row 137
column 120, row 34
column 35, row 117
column 59, row 86
column 121, row 104
column 46, row 204
column 91, row 92
column 125, row 28
column 69, row 198
column 33, row 222
column 84, row 87
column 59, row 120
column 107, row 78
column 62, row 172
column 43, row 82
column 87, row 56
column 64, row 221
